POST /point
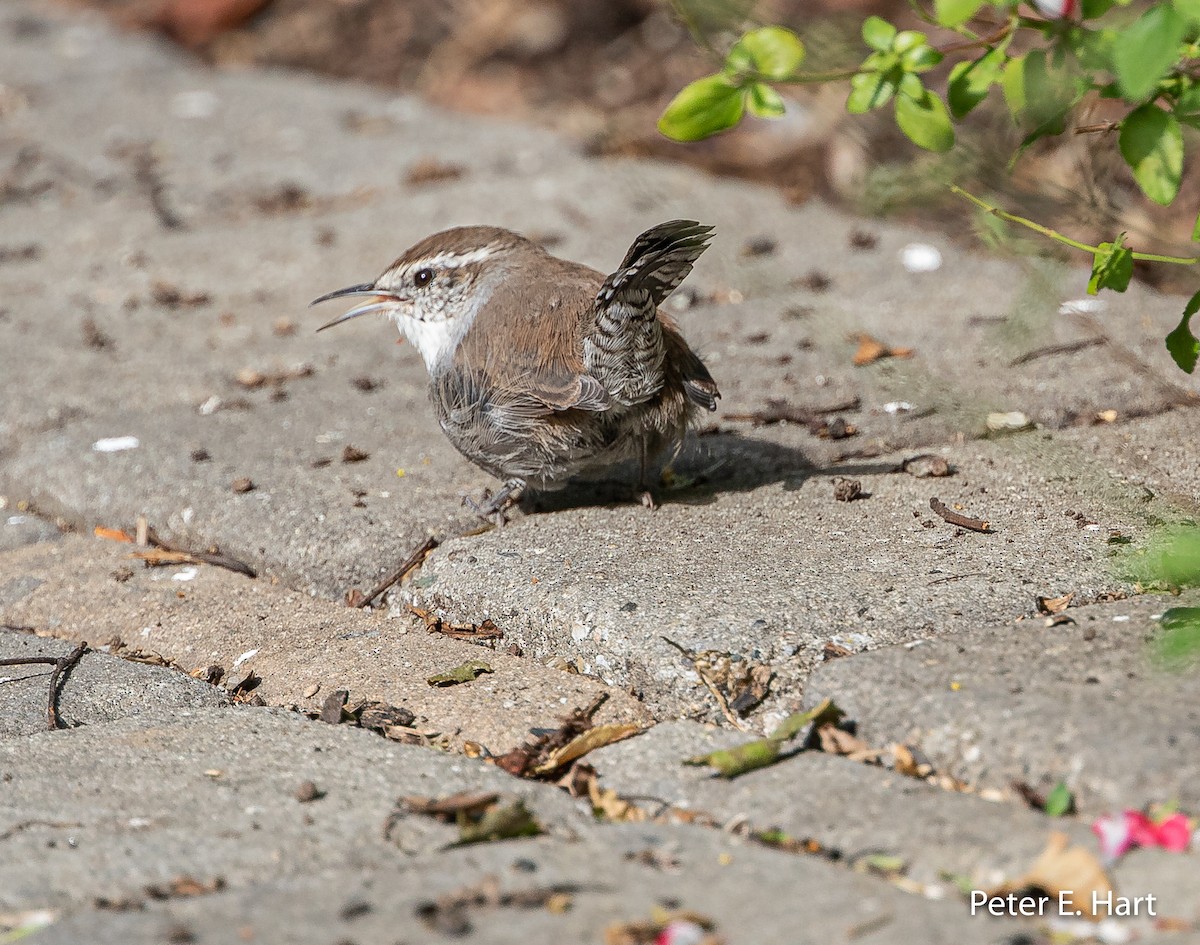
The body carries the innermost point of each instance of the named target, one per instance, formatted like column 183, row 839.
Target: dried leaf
column 1054, row 605
column 607, row 803
column 464, row 672
column 498, row 822
column 871, row 349
column 837, row 741
column 184, row 887
column 112, row 534
column 449, row 808
column 331, row 708
column 379, row 716
column 757, row 684
column 926, row 466
column 1062, row 868
column 590, row 740
column 906, row 763
column 884, row 864
column 664, row 928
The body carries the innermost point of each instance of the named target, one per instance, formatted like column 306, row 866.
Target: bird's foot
column 493, row 508
column 646, row 498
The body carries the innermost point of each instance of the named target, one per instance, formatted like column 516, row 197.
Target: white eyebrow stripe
column 453, row 260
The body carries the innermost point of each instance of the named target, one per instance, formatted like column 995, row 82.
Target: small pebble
column 307, row 792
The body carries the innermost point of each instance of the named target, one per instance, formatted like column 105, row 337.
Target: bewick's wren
column 541, row 369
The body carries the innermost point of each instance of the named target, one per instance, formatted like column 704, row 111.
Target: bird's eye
column 422, row 277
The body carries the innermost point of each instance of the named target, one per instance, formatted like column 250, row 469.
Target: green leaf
column 970, row 82
column 749, row 756
column 462, row 673
column 1036, row 94
column 498, row 822
column 1152, row 144
column 824, row 712
column 1188, row 101
column 1090, row 9
column 909, row 39
column 1183, row 345
column 1060, row 801
column 955, row 12
column 920, row 59
column 1147, row 50
column 925, row 121
column 1196, row 229
column 869, row 90
column 878, row 33
column 883, row 864
column 764, row 101
column 703, row 108
column 1094, row 49
column 1178, row 644
column 1112, row 267
column 773, row 51
column 1188, row 9
column 911, row 85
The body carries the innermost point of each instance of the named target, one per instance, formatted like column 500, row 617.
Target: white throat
column 434, row 340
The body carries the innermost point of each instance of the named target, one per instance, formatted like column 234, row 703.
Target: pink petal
column 680, row 932
column 1114, row 833
column 1143, row 832
column 1174, row 833
column 1055, row 9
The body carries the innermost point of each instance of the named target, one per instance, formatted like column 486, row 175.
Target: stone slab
column 302, row 647
column 619, row 874
column 102, row 811
column 287, row 186
column 1080, row 703
column 98, row 689
column 860, row 810
column 775, row 574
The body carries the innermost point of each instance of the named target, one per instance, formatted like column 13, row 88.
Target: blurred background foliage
column 602, row 72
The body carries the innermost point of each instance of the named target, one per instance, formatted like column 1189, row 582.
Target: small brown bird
column 543, row 369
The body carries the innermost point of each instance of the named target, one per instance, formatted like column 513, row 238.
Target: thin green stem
column 1177, row 260
column 1059, row 237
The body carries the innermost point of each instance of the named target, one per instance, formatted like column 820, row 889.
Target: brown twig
column 1065, row 348
column 962, row 521
column 956, row 577
column 204, row 557
column 1002, row 32
column 61, row 665
column 411, row 562
column 147, row 176
column 778, row 411
column 1100, row 127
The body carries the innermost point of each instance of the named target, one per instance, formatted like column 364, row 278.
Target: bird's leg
column 644, row 495
column 491, row 508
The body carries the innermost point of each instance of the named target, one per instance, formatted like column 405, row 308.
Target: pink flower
column 680, row 932
column 1119, row 833
column 1175, row 833
column 1056, row 9
column 1115, row 835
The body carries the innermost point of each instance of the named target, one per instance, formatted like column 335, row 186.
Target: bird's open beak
column 384, row 301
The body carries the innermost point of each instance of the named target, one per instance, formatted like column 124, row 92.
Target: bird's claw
column 493, row 508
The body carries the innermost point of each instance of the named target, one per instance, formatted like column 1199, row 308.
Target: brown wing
column 527, row 338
